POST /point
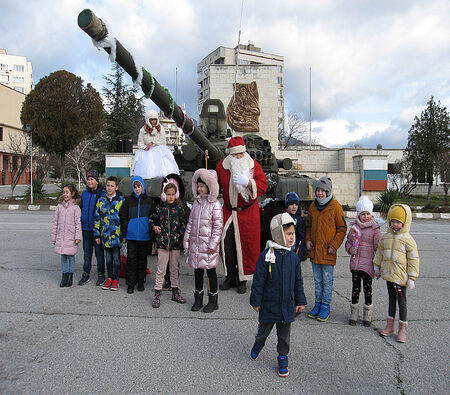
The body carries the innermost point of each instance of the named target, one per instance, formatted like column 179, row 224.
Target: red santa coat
column 246, row 222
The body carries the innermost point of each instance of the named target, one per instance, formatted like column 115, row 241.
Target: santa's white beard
column 240, row 166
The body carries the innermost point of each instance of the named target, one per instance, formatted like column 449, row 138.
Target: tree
column 296, row 131
column 428, row 138
column 402, row 177
column 125, row 112
column 61, row 112
column 19, row 147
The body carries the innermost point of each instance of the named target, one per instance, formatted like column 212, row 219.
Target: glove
column 240, row 179
column 377, row 271
column 411, row 285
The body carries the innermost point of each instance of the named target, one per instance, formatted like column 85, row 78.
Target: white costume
column 158, row 161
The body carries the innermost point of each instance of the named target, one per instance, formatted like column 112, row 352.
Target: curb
column 348, row 214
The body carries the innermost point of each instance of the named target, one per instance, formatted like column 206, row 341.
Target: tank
column 206, row 145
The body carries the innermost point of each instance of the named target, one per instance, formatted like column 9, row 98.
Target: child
column 203, row 235
column 277, row 289
column 397, row 261
column 107, row 230
column 89, row 199
column 66, row 231
column 168, row 221
column 134, row 216
column 325, row 232
column 291, row 203
column 362, row 242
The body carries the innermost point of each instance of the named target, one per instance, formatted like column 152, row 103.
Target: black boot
column 227, row 284
column 198, row 303
column 212, row 303
column 63, row 282
column 69, row 279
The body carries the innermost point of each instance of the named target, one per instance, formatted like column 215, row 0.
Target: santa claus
column 242, row 181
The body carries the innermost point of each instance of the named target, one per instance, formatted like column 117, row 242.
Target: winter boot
column 84, row 279
column 389, row 330
column 156, row 300
column 140, row 286
column 315, row 311
column 354, row 313
column 324, row 313
column 283, row 370
column 176, row 297
column 212, row 303
column 227, row 284
column 63, row 282
column 198, row 303
column 100, row 279
column 130, row 289
column 256, row 349
column 69, row 279
column 367, row 315
column 402, row 326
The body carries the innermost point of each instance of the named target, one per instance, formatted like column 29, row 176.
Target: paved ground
column 85, row 340
column 19, row 190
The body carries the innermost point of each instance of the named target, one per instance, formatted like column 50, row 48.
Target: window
column 18, row 89
column 205, row 92
column 18, row 67
column 18, row 79
column 280, row 69
column 280, row 80
column 1, row 134
column 5, row 78
column 280, row 92
column 205, row 82
column 3, row 67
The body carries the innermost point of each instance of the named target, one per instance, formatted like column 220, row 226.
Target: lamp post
column 31, row 162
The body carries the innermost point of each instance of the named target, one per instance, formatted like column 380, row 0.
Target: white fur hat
column 151, row 114
column 364, row 204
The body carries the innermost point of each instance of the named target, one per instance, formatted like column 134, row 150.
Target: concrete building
column 16, row 72
column 13, row 141
column 217, row 73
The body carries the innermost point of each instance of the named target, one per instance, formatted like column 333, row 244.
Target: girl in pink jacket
column 66, row 231
column 203, row 235
column 362, row 242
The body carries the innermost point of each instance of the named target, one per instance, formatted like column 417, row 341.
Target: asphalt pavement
column 86, row 340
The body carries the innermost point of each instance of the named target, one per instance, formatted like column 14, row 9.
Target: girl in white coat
column 203, row 235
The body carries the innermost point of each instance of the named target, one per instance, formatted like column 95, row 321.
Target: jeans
column 67, row 263
column 283, row 334
column 112, row 257
column 323, row 280
column 89, row 245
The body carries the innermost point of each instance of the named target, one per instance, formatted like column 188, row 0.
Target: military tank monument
column 206, row 145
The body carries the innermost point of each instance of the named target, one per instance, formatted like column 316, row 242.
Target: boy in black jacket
column 134, row 217
column 277, row 289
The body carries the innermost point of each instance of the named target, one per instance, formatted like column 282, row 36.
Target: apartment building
column 218, row 71
column 16, row 72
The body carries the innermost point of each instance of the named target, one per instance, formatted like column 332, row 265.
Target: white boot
column 367, row 316
column 354, row 313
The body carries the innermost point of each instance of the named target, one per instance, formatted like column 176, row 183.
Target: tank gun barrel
column 98, row 31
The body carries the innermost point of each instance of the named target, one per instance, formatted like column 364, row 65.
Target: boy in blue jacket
column 94, row 190
column 277, row 289
column 292, row 202
column 134, row 216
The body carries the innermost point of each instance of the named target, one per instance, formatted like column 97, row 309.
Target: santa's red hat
column 236, row 145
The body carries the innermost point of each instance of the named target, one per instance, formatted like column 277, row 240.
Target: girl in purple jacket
column 203, row 235
column 362, row 242
column 66, row 231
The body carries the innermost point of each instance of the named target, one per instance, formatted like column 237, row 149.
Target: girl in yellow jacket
column 397, row 261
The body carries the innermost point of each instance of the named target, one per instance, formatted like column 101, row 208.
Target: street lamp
column 31, row 162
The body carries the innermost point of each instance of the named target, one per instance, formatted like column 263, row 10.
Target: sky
column 374, row 64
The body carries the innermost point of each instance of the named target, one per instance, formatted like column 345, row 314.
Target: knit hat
column 236, row 145
column 92, row 173
column 398, row 213
column 291, row 198
column 325, row 184
column 364, row 204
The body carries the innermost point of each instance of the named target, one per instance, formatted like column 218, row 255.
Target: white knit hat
column 364, row 204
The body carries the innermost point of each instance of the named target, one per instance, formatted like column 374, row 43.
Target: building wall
column 16, row 72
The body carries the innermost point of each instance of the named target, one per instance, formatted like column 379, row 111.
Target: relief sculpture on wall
column 243, row 111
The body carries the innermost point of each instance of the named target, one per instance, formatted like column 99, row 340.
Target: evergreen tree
column 61, row 112
column 125, row 112
column 428, row 140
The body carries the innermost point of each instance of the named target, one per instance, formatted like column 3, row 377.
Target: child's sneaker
column 176, row 297
column 324, row 312
column 100, row 279
column 256, row 349
column 84, row 279
column 107, row 283
column 315, row 311
column 114, row 285
column 156, row 300
column 283, row 370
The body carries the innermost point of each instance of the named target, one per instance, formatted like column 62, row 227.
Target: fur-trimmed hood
column 210, row 179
